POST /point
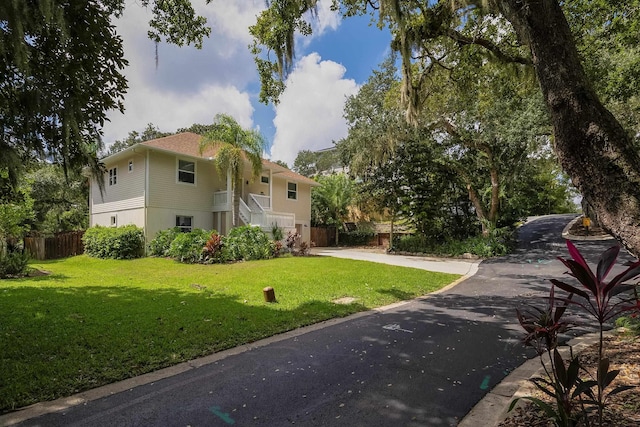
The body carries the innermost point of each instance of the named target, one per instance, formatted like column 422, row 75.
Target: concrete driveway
column 441, row 265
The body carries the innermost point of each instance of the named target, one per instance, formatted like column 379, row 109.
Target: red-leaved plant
column 595, row 296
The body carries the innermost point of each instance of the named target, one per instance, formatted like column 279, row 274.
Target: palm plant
column 233, row 146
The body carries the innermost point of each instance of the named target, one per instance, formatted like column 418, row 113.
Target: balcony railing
column 257, row 212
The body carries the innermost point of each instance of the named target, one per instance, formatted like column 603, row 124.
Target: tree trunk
column 591, row 145
column 480, row 211
column 237, row 195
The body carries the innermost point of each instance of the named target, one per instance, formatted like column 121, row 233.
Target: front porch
column 256, row 210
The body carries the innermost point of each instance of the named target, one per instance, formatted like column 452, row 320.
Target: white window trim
column 113, row 182
column 195, row 171
column 113, row 221
column 297, row 191
column 264, row 176
column 189, row 228
column 130, row 165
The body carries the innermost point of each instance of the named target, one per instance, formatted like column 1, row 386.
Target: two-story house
column 167, row 182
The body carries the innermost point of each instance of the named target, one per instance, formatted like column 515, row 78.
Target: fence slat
column 61, row 245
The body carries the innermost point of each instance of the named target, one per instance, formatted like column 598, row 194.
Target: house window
column 186, row 171
column 292, row 191
column 114, row 221
column 113, row 176
column 184, row 223
column 264, row 179
column 130, row 165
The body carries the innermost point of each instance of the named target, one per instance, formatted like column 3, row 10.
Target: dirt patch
column 577, row 229
column 344, row 300
column 623, row 410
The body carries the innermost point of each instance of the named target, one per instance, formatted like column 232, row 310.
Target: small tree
column 331, row 200
column 234, row 146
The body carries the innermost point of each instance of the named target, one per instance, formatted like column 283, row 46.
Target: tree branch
column 487, row 44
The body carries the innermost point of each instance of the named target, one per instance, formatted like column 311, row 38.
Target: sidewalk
column 441, row 265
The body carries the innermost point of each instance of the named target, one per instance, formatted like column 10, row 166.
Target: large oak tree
column 593, row 147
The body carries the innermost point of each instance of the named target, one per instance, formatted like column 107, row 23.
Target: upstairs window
column 186, row 172
column 184, row 223
column 292, row 191
column 130, row 165
column 264, row 179
column 113, row 176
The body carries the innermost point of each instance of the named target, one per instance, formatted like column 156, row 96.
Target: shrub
column 125, row 242
column 13, row 264
column 498, row 243
column 357, row 237
column 247, row 243
column 543, row 326
column 189, row 247
column 159, row 246
column 213, row 249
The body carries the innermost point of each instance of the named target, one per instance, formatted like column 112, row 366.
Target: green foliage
column 543, row 326
column 16, row 213
column 233, row 146
column 631, row 323
column 311, row 163
column 59, row 200
column 111, row 319
column 159, row 246
column 134, row 137
column 498, row 243
column 13, row 264
column 247, row 243
column 277, row 233
column 189, row 247
column 61, row 68
column 361, row 236
column 126, row 242
column 330, row 201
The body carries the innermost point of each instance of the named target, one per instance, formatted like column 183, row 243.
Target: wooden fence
column 323, row 236
column 61, row 245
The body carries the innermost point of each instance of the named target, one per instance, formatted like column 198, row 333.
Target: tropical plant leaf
column 561, row 371
column 569, row 288
column 578, row 258
column 607, row 261
column 584, row 276
column 629, row 273
column 620, row 389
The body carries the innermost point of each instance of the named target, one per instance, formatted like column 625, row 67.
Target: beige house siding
column 301, row 207
column 122, row 217
column 162, row 218
column 166, row 192
column 129, row 187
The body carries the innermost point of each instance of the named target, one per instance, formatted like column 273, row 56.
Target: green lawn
column 92, row 322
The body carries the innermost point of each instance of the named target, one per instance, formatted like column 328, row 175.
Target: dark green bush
column 247, row 243
column 159, row 246
column 355, row 238
column 189, row 247
column 125, row 242
column 14, row 264
column 498, row 243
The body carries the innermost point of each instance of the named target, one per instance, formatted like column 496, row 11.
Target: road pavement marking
column 396, row 327
column 222, row 415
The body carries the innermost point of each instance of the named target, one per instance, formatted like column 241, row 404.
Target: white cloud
column 309, row 115
column 170, row 110
column 188, row 85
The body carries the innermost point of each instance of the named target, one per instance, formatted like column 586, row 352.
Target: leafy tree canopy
column 61, row 64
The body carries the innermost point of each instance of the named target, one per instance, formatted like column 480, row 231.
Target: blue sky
column 192, row 86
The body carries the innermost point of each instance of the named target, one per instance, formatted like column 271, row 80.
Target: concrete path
column 441, row 265
column 425, row 362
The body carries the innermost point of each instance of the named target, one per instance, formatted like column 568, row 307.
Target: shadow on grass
column 59, row 341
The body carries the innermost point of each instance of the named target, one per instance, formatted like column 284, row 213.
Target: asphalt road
column 424, row 363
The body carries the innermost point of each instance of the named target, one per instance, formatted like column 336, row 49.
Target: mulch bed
column 622, row 410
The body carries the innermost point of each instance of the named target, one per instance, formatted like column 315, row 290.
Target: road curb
column 492, row 409
column 566, row 235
